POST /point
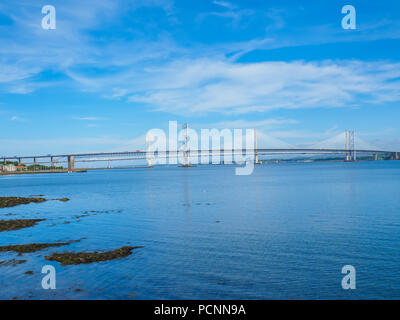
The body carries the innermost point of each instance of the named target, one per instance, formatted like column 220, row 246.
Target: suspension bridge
column 87, row 161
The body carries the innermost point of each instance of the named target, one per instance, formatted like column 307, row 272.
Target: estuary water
column 284, row 232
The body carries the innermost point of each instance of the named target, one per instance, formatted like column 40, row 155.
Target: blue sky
column 114, row 69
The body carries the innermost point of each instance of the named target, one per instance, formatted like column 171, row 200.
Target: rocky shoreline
column 33, row 247
column 64, row 258
column 68, row 258
column 10, row 225
column 8, row 202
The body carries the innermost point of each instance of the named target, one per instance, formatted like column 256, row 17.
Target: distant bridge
column 108, row 157
column 184, row 153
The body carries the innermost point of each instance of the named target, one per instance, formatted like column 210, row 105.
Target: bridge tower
column 148, row 153
column 185, row 145
column 351, row 154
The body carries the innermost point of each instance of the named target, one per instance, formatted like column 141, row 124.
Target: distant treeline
column 33, row 167
column 37, row 167
column 15, row 163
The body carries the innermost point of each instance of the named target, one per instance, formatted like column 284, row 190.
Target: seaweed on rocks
column 68, row 258
column 7, row 202
column 12, row 262
column 9, row 225
column 33, row 247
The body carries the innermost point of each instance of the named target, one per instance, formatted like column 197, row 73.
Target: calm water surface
column 283, row 232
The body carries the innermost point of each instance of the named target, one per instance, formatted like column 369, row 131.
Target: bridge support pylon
column 396, row 156
column 351, row 154
column 71, row 163
column 148, row 154
column 185, row 147
column 255, row 148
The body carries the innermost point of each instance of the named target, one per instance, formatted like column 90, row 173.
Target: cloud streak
column 88, row 118
column 205, row 85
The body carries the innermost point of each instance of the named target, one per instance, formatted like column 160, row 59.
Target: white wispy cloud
column 229, row 11
column 26, row 50
column 265, row 123
column 217, row 84
column 88, row 118
column 17, row 119
column 207, row 85
column 224, row 4
column 184, row 80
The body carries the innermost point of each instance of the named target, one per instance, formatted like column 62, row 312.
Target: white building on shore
column 8, row 168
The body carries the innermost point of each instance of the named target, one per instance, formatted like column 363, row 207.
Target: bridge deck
column 198, row 152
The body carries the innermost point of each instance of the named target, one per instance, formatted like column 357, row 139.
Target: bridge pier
column 255, row 148
column 394, row 156
column 256, row 158
column 71, row 163
column 375, row 156
column 52, row 161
